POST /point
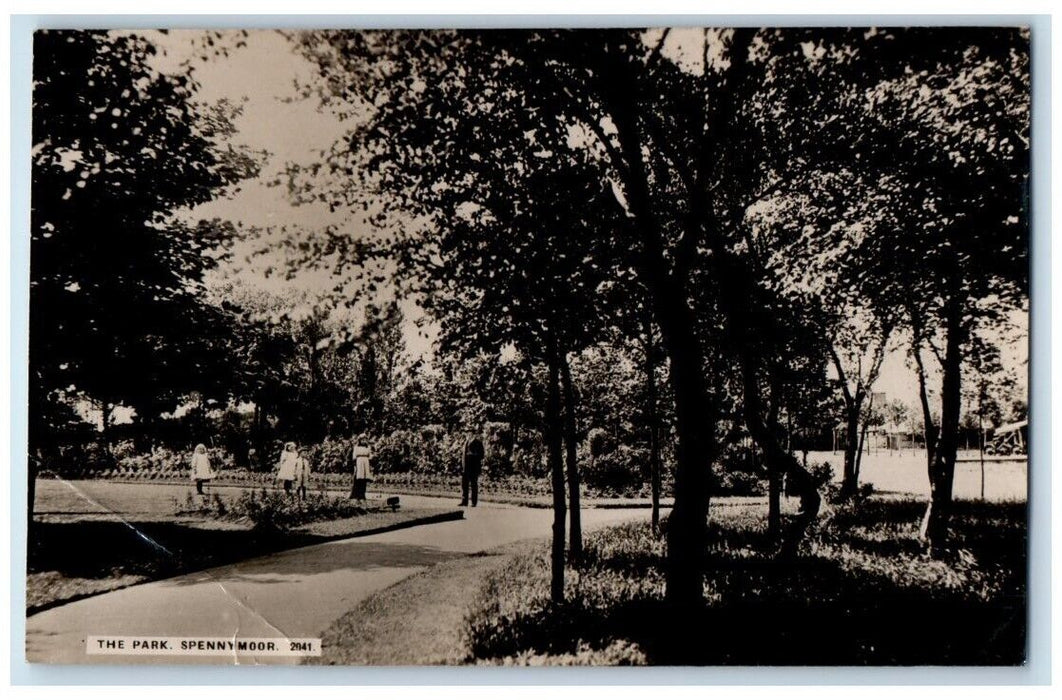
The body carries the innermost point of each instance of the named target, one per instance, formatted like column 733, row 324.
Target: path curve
column 295, row 593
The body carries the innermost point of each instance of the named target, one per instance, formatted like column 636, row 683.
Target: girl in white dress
column 286, row 466
column 201, row 471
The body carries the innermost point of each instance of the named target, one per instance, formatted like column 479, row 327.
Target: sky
column 262, row 76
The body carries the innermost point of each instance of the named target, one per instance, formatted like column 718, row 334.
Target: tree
column 488, row 221
column 597, row 100
column 857, row 353
column 115, row 280
column 686, row 152
column 958, row 129
column 381, row 349
column 931, row 129
column 936, row 133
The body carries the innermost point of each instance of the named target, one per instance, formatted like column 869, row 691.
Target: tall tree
column 115, row 280
column 489, row 222
column 653, row 137
column 687, row 151
column 957, row 128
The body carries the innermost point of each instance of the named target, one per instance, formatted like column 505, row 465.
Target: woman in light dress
column 362, row 469
column 201, row 470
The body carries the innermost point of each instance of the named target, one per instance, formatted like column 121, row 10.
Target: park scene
column 554, row 347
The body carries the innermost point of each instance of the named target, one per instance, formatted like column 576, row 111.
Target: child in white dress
column 201, row 471
column 286, row 466
column 302, row 473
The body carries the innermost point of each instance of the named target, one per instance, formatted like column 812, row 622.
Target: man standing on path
column 471, row 464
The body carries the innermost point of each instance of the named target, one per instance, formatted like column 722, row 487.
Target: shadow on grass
column 819, row 614
column 103, row 549
column 100, row 550
column 860, row 596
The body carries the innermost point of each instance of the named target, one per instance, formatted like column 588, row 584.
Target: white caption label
column 203, row 646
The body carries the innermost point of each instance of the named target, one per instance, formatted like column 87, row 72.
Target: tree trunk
column 695, row 415
column 799, row 481
column 256, row 439
column 942, row 473
column 105, row 433
column 850, row 479
column 859, row 452
column 981, row 443
column 38, row 435
column 653, row 420
column 575, row 545
column 929, row 430
column 687, row 531
column 852, row 404
column 774, row 505
column 774, row 476
column 556, row 467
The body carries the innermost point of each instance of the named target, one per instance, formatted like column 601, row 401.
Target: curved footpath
column 291, row 594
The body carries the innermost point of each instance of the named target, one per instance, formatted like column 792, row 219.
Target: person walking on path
column 471, row 464
column 201, row 471
column 362, row 469
column 286, row 466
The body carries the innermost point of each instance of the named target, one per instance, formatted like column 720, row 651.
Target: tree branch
column 841, row 375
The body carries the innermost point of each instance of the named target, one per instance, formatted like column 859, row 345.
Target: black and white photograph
column 627, row 346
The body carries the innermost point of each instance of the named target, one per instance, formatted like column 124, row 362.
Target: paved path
column 297, row 593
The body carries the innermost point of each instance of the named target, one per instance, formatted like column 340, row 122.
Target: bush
column 618, row 653
column 79, row 459
column 331, row 456
column 397, row 452
column 498, row 446
column 739, row 473
column 825, row 479
column 738, row 456
column 619, row 472
column 160, row 463
column 737, row 483
column 166, row 463
column 600, row 442
column 822, row 475
column 274, row 511
column 528, row 459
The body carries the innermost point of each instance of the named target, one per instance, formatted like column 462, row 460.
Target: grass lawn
column 418, row 621
column 860, row 593
column 117, row 535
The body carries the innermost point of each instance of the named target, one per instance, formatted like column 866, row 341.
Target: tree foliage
column 115, row 289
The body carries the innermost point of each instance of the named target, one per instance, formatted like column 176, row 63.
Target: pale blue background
column 1038, row 669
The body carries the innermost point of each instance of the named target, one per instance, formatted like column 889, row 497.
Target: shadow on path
column 322, row 559
column 101, row 550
